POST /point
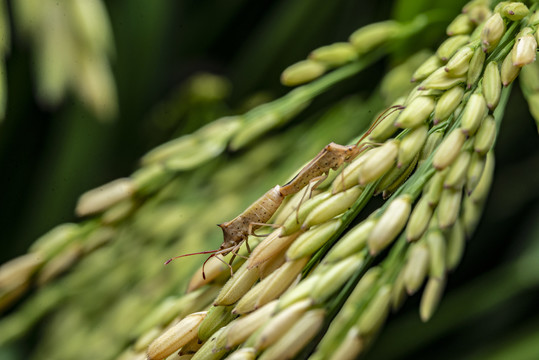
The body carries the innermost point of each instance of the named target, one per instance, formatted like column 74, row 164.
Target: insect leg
column 238, row 255
column 317, row 181
column 390, row 110
column 301, row 202
column 234, row 252
column 231, row 260
column 342, row 183
column 252, row 232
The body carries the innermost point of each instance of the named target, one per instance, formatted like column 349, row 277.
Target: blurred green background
column 52, row 155
column 49, row 155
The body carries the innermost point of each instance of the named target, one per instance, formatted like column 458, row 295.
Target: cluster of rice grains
column 298, row 276
column 303, row 272
column 361, row 42
column 430, row 157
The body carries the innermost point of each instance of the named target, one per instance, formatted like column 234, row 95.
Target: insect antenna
column 390, row 110
column 212, row 252
column 197, row 253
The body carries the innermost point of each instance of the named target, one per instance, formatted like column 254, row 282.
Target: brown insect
column 237, row 230
column 331, row 157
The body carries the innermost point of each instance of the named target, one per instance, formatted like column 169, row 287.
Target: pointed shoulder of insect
column 226, row 224
column 337, row 148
